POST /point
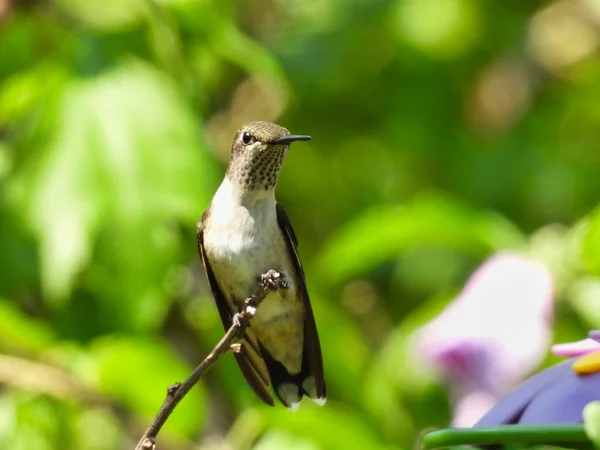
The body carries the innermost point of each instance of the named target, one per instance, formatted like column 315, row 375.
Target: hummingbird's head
column 257, row 154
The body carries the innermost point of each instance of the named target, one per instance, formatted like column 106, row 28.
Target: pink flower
column 578, row 348
column 492, row 335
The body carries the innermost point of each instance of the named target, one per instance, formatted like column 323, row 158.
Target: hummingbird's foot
column 239, row 321
column 274, row 280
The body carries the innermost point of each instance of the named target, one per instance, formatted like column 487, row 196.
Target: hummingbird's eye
column 247, row 138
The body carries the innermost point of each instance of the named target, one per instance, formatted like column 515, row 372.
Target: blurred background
column 455, row 161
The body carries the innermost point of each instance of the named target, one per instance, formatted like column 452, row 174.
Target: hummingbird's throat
column 257, row 170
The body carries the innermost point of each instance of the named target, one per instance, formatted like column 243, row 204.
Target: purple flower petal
column 595, row 335
column 564, row 400
column 510, row 408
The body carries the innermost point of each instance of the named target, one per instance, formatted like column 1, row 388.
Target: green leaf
column 328, row 426
column 225, row 38
column 439, row 28
column 137, row 372
column 381, row 233
column 22, row 332
column 97, row 429
column 21, row 92
column 591, row 244
column 346, row 355
column 31, row 421
column 125, row 150
column 394, row 378
column 5, row 161
column 275, row 440
column 132, row 262
column 114, row 15
column 591, row 422
column 584, row 297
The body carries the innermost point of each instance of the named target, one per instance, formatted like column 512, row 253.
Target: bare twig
column 270, row 281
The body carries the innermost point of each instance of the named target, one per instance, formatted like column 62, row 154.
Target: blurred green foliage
column 443, row 131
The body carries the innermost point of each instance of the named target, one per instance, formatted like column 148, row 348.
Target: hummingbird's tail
column 290, row 388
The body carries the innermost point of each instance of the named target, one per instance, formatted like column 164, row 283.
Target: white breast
column 243, row 240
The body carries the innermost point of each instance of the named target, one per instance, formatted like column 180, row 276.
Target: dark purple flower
column 557, row 394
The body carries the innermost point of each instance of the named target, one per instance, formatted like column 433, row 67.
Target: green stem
column 572, row 434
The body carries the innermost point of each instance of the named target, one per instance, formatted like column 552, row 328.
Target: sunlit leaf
column 591, row 421
column 22, row 332
column 394, row 376
column 440, row 28
column 591, row 245
column 276, row 440
column 381, row 233
column 98, row 429
column 5, row 161
column 113, row 15
column 23, row 91
column 345, row 352
column 18, row 257
column 131, row 263
column 125, row 151
column 137, row 372
column 584, row 296
column 329, row 427
column 34, row 421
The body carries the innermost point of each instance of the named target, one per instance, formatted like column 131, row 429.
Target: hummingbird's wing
column 249, row 357
column 310, row 381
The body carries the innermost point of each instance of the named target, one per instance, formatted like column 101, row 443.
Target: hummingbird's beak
column 286, row 140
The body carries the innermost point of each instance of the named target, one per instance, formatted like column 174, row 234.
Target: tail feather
column 290, row 388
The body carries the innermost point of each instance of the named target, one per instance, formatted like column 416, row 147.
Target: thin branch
column 271, row 281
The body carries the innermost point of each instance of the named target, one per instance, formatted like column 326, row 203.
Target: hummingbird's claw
column 273, row 280
column 237, row 320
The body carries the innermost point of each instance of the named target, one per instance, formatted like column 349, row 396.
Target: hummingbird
column 244, row 234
